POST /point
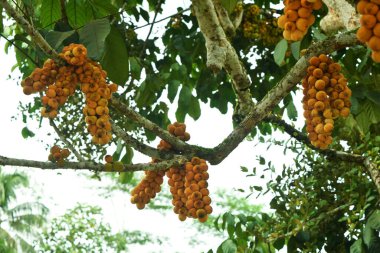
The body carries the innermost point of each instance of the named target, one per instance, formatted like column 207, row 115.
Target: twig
column 158, row 21
column 66, row 142
column 20, row 49
column 142, row 53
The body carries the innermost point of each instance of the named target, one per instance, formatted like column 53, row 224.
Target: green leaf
column 279, row 243
column 144, row 14
column 135, row 68
column 25, row 132
column 93, row 35
column 357, row 247
column 291, row 111
column 280, row 51
column 173, row 89
column 295, row 47
column 229, row 5
column 55, row 39
column 194, row 108
column 115, row 59
column 228, row 246
column 119, row 148
column 369, row 114
column 50, row 13
column 183, row 103
column 243, row 169
column 76, row 13
column 1, row 20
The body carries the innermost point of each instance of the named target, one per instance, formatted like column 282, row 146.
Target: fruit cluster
column 189, row 190
column 188, row 183
column 257, row 25
column 298, row 17
column 60, row 82
column 326, row 97
column 58, row 155
column 369, row 32
column 147, row 189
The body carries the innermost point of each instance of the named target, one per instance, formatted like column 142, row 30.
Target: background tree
column 227, row 55
column 81, row 230
column 19, row 222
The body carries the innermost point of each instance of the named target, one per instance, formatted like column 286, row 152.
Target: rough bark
column 341, row 16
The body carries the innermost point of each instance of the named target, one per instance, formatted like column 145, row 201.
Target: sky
column 62, row 190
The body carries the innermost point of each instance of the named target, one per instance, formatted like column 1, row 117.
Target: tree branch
column 341, row 15
column 224, row 19
column 177, row 144
column 176, row 161
column 220, row 53
column 277, row 93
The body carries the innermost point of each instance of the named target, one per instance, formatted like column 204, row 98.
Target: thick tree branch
column 220, row 53
column 275, row 95
column 224, row 18
column 342, row 15
column 176, row 161
column 36, row 36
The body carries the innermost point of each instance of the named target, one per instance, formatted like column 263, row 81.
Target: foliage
column 81, row 229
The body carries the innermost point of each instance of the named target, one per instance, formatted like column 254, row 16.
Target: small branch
column 158, row 21
column 143, row 148
column 374, row 172
column 301, row 137
column 20, row 49
column 36, row 36
column 176, row 161
column 142, row 121
column 142, row 53
column 66, row 142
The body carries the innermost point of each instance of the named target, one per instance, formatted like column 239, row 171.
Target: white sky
column 62, row 190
